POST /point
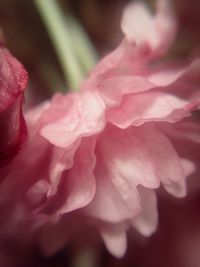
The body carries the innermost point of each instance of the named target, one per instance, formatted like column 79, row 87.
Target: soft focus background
column 177, row 241
column 25, row 34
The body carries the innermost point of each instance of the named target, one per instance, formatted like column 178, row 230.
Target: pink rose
column 101, row 153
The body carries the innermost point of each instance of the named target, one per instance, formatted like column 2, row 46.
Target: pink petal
column 146, row 36
column 71, row 184
column 113, row 89
column 188, row 167
column 115, row 239
column 137, row 109
column 123, row 163
column 167, row 163
column 82, row 117
column 114, row 200
column 61, row 160
column 146, row 222
column 79, row 182
column 145, row 30
column 166, row 74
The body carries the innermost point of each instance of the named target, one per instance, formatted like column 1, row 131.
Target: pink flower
column 145, row 102
column 102, row 152
column 13, row 79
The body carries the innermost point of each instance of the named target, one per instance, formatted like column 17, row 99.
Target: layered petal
column 145, row 107
column 71, row 117
column 102, row 153
column 122, row 165
column 79, row 182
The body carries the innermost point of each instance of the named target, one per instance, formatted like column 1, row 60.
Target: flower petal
column 115, row 239
column 79, row 182
column 123, row 163
column 146, row 222
column 136, row 109
column 83, row 116
column 167, row 163
column 144, row 29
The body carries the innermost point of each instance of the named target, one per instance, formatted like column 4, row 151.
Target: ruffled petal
column 123, row 163
column 136, row 109
column 115, row 200
column 79, row 182
column 167, row 162
column 83, row 117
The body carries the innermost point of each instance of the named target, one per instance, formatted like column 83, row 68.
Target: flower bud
column 13, row 80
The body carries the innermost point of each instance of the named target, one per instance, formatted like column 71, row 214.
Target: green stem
column 60, row 35
column 83, row 48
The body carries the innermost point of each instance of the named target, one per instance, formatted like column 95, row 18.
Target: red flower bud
column 13, row 80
